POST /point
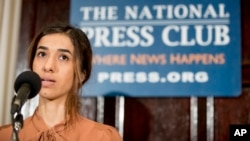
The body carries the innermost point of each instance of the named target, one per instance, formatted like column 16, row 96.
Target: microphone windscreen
column 31, row 78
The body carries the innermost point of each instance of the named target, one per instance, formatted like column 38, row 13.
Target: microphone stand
column 17, row 122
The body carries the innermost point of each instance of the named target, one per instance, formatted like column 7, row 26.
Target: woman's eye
column 64, row 57
column 41, row 54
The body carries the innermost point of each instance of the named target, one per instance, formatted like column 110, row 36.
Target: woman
column 61, row 55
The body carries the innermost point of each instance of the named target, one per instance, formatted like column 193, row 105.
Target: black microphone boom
column 27, row 85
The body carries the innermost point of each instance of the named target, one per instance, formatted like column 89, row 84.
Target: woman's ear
column 82, row 77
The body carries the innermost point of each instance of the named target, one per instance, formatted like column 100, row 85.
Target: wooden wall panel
column 236, row 110
column 231, row 111
column 26, row 32
column 157, row 119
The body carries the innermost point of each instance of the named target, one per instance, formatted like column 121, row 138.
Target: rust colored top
column 35, row 129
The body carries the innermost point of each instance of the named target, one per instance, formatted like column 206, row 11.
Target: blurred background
column 145, row 119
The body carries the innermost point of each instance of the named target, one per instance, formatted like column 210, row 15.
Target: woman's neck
column 51, row 111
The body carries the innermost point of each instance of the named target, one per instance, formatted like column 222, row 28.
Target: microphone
column 27, row 85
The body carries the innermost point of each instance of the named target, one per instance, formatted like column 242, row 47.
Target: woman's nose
column 49, row 65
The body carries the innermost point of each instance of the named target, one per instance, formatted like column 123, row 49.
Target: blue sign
column 159, row 48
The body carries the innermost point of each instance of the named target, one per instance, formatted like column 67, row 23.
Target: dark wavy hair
column 82, row 61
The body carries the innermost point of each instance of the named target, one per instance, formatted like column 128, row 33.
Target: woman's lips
column 47, row 82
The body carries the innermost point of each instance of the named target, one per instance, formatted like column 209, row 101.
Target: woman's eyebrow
column 65, row 50
column 43, row 47
column 60, row 49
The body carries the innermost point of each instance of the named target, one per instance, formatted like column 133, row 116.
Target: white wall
column 10, row 13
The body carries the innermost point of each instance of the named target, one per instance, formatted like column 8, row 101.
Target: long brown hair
column 82, row 61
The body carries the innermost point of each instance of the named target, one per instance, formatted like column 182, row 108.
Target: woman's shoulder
column 5, row 132
column 93, row 125
column 99, row 129
column 6, row 128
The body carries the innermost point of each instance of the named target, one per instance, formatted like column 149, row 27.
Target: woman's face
column 53, row 62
